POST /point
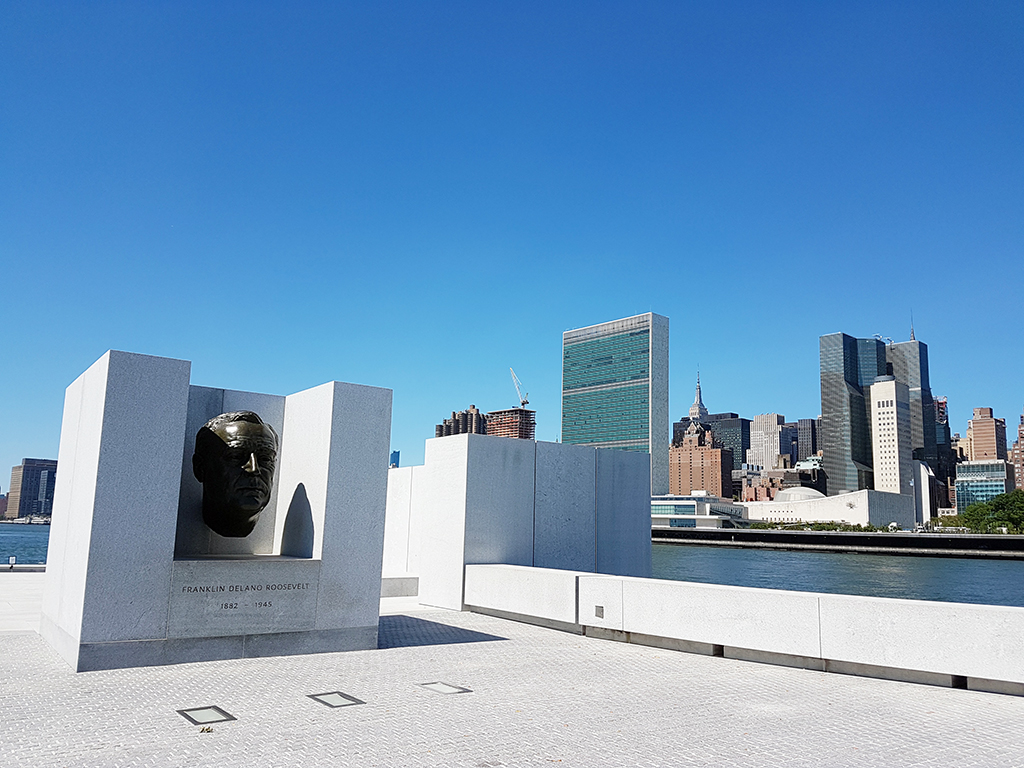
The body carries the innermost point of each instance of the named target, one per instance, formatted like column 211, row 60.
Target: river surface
column 26, row 542
column 949, row 579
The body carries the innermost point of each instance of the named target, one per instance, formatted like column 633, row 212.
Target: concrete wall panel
column 499, row 500
column 623, row 512
column 982, row 641
column 759, row 619
column 565, row 524
column 439, row 515
column 547, row 593
column 601, row 602
column 397, row 522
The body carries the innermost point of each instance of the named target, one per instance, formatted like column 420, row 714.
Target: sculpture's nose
column 252, row 466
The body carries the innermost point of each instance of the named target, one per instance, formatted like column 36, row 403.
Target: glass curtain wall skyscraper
column 910, row 366
column 848, row 368
column 615, row 389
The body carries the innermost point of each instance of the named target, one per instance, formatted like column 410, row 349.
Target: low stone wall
column 952, row 644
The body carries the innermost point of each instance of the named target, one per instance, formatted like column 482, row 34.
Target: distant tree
column 1004, row 511
column 1007, row 511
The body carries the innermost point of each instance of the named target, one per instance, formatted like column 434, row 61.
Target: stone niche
column 135, row 578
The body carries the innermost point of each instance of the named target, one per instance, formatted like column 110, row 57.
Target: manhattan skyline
column 286, row 197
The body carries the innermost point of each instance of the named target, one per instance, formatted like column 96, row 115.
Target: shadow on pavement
column 398, row 631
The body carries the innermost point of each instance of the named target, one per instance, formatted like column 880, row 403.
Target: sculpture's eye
column 237, row 456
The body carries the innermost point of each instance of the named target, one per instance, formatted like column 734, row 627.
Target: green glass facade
column 611, row 418
column 615, row 389
column 606, row 391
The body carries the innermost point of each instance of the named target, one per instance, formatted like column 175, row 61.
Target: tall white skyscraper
column 766, row 443
column 615, row 389
column 891, row 445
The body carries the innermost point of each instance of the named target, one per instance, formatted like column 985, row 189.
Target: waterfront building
column 891, row 435
column 807, row 505
column 698, row 463
column 986, row 436
column 983, row 480
column 1017, row 455
column 909, row 360
column 3, row 505
column 468, row 421
column 695, row 510
column 771, row 441
column 848, row 367
column 519, row 423
column 615, row 389
column 31, row 490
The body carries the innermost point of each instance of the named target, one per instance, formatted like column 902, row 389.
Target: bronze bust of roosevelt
column 234, row 459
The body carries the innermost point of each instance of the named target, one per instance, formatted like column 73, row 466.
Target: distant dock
column 922, row 544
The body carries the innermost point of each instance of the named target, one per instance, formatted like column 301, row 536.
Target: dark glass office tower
column 807, row 440
column 31, row 491
column 910, row 366
column 733, row 433
column 848, row 367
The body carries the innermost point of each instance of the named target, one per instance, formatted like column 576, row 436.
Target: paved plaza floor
column 537, row 697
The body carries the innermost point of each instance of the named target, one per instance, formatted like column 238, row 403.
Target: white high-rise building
column 615, row 389
column 891, row 446
column 766, row 444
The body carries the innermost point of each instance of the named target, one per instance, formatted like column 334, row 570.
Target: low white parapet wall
column 540, row 593
column 953, row 644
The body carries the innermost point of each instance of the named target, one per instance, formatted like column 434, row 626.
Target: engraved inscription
column 211, row 598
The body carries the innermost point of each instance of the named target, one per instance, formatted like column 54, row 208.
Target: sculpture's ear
column 197, row 467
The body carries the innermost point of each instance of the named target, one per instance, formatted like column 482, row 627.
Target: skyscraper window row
column 609, row 360
column 614, row 415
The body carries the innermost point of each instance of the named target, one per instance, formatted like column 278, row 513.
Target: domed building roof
column 798, row 494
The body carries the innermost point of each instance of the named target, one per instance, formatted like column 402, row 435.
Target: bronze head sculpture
column 234, row 459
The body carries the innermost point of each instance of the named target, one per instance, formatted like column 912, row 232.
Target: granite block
column 565, row 526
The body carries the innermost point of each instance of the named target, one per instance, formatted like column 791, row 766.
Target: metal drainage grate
column 206, row 715
column 439, row 687
column 335, row 699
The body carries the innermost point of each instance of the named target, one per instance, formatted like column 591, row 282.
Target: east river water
column 949, row 579
column 26, row 542
column 952, row 579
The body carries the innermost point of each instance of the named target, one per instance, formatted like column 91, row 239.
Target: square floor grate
column 206, row 715
column 335, row 699
column 439, row 687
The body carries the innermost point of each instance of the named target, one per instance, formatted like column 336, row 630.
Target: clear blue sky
column 420, row 195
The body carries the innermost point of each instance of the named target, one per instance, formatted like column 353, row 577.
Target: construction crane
column 523, row 402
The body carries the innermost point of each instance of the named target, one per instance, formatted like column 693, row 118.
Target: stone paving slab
column 21, row 597
column 539, row 698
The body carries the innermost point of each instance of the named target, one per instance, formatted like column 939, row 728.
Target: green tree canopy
column 1004, row 511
